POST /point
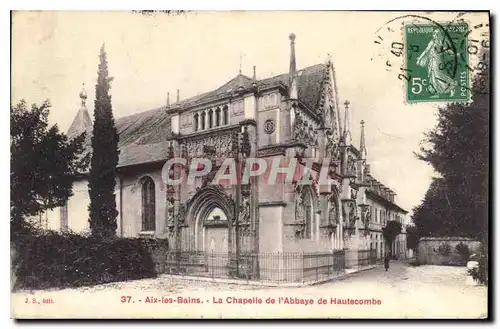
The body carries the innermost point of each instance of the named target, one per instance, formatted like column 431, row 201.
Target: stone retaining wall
column 442, row 250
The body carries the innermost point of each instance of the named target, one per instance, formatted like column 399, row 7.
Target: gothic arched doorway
column 212, row 231
column 210, row 214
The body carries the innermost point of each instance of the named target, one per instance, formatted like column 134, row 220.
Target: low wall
column 442, row 250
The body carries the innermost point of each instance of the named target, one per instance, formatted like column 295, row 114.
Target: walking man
column 386, row 262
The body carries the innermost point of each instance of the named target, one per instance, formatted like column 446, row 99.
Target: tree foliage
column 391, row 231
column 456, row 203
column 102, row 175
column 412, row 237
column 43, row 163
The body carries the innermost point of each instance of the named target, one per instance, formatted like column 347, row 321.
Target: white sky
column 54, row 52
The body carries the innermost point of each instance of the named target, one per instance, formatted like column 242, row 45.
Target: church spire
column 82, row 121
column 293, row 65
column 362, row 145
column 293, row 69
column 346, row 134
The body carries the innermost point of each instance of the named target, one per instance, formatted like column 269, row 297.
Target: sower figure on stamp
column 432, row 57
column 386, row 261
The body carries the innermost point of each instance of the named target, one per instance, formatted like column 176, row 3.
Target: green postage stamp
column 437, row 62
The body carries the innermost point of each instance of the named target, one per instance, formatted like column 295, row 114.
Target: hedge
column 51, row 259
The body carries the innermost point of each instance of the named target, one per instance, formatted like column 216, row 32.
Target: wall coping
column 446, row 238
column 272, row 204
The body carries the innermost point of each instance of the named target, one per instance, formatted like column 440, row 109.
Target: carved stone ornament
column 245, row 147
column 270, row 151
column 298, row 127
column 270, row 101
column 332, row 147
column 186, row 120
column 246, row 230
column 354, row 194
column 349, row 210
column 244, row 216
column 352, row 215
column 366, row 215
column 328, row 122
column 208, row 178
column 222, row 144
column 245, row 210
column 351, row 166
column 181, row 215
column 299, row 204
column 170, row 194
column 269, row 126
column 333, row 213
column 237, row 108
column 318, row 205
column 299, row 231
column 170, row 152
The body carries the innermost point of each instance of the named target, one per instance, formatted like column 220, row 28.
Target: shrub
column 51, row 259
column 463, row 250
column 481, row 272
column 444, row 249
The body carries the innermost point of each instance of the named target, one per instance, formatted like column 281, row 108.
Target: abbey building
column 298, row 114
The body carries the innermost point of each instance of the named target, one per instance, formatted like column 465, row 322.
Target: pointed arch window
column 196, row 121
column 148, row 205
column 217, row 117
column 210, row 118
column 308, row 213
column 202, row 118
column 225, row 115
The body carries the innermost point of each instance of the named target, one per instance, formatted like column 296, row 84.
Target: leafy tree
column 102, row 175
column 463, row 250
column 391, row 231
column 434, row 217
column 42, row 165
column 444, row 249
column 456, row 203
column 412, row 237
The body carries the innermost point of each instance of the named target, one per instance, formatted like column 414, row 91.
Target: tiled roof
column 310, row 82
column 143, row 136
column 309, row 87
column 82, row 122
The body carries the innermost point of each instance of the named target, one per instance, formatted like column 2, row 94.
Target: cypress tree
column 102, row 176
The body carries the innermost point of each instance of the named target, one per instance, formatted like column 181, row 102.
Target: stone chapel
column 296, row 115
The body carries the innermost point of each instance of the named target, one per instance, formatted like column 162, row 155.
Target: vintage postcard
column 300, row 164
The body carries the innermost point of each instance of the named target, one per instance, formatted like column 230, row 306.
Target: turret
column 82, row 122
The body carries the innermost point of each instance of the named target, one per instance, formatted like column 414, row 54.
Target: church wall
column 268, row 118
column 269, row 109
column 318, row 241
column 53, row 218
column 78, row 213
column 270, row 229
column 237, row 111
column 131, row 215
column 270, row 215
column 77, row 207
